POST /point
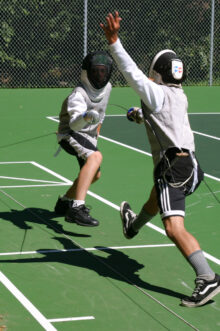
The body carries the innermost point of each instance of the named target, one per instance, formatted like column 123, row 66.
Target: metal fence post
column 85, row 26
column 212, row 42
column 59, row 33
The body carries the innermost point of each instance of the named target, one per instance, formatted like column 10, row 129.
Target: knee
column 169, row 231
column 174, row 230
column 96, row 157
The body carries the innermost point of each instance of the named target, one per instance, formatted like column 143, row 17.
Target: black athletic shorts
column 79, row 146
column 176, row 177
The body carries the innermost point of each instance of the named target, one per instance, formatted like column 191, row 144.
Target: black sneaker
column 62, row 206
column 204, row 291
column 80, row 215
column 127, row 216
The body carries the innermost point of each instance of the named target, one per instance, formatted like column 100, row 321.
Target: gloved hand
column 135, row 114
column 91, row 116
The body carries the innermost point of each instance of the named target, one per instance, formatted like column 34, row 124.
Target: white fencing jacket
column 164, row 107
column 83, row 98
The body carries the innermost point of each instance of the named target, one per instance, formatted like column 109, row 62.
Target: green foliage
column 41, row 41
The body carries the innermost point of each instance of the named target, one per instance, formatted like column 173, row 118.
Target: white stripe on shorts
column 165, row 201
column 195, row 172
column 164, row 195
column 173, row 213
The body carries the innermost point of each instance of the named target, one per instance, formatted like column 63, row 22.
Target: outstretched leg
column 89, row 173
column 131, row 222
column 207, row 282
column 76, row 194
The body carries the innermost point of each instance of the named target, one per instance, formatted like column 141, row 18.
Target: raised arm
column 112, row 27
column 151, row 93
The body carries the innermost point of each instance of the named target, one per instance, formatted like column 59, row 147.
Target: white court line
column 204, row 113
column 27, row 304
column 143, row 152
column 50, row 251
column 212, row 177
column 196, row 132
column 124, row 145
column 50, row 183
column 67, row 181
column 43, row 185
column 52, row 118
column 68, row 319
column 119, row 115
column 206, row 135
column 15, row 162
column 56, row 119
column 30, row 180
column 109, row 203
column 42, row 168
column 149, row 224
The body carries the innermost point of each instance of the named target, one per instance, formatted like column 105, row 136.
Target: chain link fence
column 43, row 42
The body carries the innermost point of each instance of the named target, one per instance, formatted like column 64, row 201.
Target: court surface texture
column 59, row 276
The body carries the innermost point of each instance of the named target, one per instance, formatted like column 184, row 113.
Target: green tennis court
column 60, row 276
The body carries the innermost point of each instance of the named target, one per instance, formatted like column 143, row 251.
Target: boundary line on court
column 150, row 225
column 111, row 268
column 55, row 119
column 30, row 180
column 109, row 203
column 206, row 135
column 85, row 249
column 213, row 113
column 48, row 183
column 124, row 277
column 43, row 185
column 69, row 319
column 39, row 317
column 146, row 153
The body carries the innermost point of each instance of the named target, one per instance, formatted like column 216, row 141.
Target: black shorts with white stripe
column 81, row 142
column 175, row 178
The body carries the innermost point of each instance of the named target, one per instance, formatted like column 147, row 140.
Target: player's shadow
column 113, row 264
column 40, row 216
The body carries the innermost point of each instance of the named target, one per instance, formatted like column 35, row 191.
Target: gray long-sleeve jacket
column 164, row 107
column 73, row 108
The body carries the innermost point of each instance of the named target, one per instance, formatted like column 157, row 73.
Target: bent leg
column 188, row 246
column 151, row 206
column 175, row 230
column 88, row 174
column 78, row 213
column 148, row 211
column 71, row 193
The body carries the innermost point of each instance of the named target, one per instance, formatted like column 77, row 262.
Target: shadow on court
column 38, row 216
column 116, row 265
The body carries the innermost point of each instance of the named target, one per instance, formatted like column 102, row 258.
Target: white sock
column 77, row 203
